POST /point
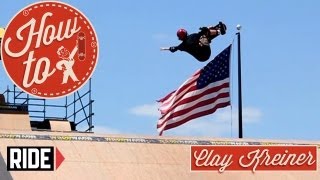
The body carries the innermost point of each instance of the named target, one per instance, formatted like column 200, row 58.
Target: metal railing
column 76, row 108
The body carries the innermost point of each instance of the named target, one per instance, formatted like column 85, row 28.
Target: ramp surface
column 92, row 156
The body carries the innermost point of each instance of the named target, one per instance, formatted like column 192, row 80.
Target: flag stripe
column 205, row 104
column 186, row 109
column 191, row 101
column 194, row 94
column 190, row 115
column 193, row 116
column 184, row 88
column 167, row 96
column 177, row 96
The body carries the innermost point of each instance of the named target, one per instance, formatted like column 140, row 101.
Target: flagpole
column 239, row 83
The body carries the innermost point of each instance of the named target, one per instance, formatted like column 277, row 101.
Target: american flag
column 202, row 94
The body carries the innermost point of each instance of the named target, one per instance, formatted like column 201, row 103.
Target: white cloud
column 249, row 115
column 150, row 110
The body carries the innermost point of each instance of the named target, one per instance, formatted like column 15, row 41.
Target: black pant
column 201, row 53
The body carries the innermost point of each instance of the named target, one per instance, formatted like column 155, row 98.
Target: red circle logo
column 49, row 49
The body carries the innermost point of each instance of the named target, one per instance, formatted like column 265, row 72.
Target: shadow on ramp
column 4, row 174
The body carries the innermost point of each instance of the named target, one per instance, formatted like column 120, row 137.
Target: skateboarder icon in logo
column 66, row 63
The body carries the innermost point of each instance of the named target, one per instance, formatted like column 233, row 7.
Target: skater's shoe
column 222, row 27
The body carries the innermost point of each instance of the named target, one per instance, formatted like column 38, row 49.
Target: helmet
column 182, row 34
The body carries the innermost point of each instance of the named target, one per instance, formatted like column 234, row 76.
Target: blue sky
column 280, row 64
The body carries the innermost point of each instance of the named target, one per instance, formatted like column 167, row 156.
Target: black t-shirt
column 191, row 45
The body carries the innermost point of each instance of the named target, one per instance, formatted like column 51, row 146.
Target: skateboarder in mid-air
column 198, row 44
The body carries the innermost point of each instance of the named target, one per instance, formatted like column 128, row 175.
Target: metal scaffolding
column 76, row 108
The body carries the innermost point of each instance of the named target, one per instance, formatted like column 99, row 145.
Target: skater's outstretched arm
column 181, row 47
column 173, row 49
